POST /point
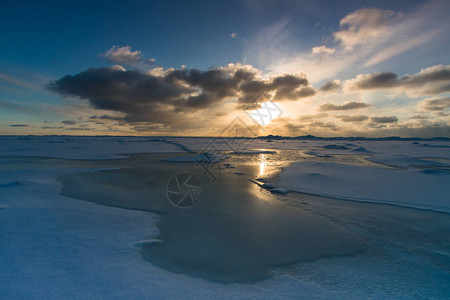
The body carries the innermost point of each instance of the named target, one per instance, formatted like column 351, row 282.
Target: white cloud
column 316, row 69
column 401, row 47
column 425, row 25
column 363, row 25
column 379, row 35
column 322, row 50
column 123, row 55
column 117, row 68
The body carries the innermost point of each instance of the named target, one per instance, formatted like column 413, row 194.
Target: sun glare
column 262, row 164
column 265, row 114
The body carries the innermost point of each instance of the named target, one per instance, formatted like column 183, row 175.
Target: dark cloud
column 280, row 88
column 331, row 86
column 432, row 80
column 19, row 125
column 435, row 104
column 429, row 130
column 174, row 94
column 327, row 125
column 52, row 127
column 375, row 81
column 384, row 120
column 419, row 117
column 291, row 87
column 80, row 128
column 69, row 122
column 345, row 106
column 106, row 117
column 355, row 118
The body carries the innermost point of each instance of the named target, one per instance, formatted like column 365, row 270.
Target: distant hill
column 351, row 138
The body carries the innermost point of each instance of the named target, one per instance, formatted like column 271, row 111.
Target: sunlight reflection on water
column 262, row 164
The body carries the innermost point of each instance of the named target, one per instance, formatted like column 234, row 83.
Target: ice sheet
column 205, row 157
column 56, row 247
column 411, row 187
column 53, row 247
column 82, row 147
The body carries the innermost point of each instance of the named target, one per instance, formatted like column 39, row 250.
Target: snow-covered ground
column 81, row 147
column 427, row 188
column 421, row 178
column 53, row 247
column 88, row 146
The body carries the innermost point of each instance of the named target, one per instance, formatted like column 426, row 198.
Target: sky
column 198, row 68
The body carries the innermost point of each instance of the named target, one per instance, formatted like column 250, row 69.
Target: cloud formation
column 435, row 104
column 345, row 106
column 125, row 56
column 363, row 25
column 429, row 81
column 69, row 122
column 19, row 125
column 353, row 119
column 331, row 86
column 322, row 50
column 367, row 37
column 384, row 120
column 312, row 117
column 424, row 25
column 167, row 96
column 52, row 127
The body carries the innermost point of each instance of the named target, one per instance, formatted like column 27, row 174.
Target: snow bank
column 411, row 187
column 403, row 161
column 336, row 147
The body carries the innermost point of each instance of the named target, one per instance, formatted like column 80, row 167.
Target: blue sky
column 322, row 41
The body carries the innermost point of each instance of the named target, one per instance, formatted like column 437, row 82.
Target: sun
column 264, row 115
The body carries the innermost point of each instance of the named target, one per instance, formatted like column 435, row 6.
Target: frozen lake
column 376, row 234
